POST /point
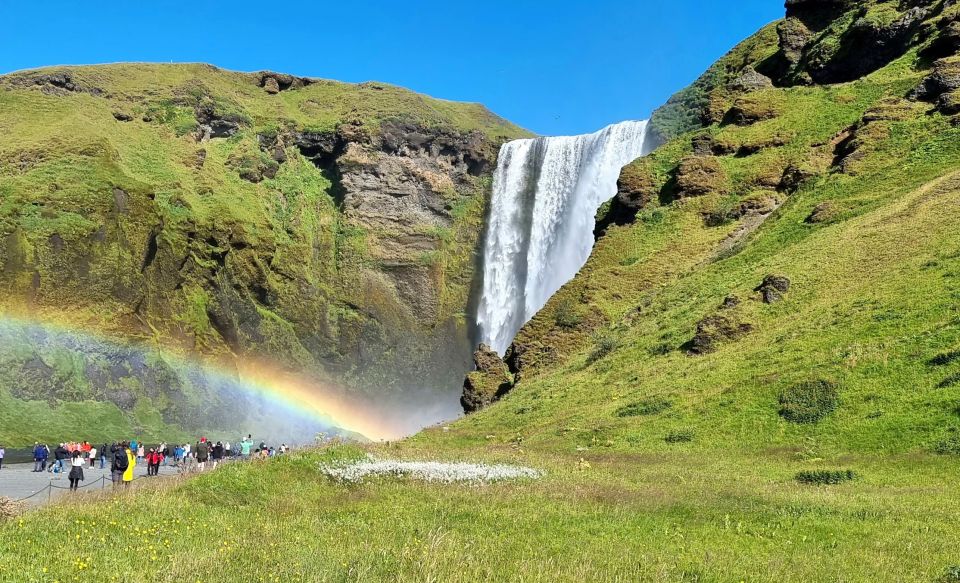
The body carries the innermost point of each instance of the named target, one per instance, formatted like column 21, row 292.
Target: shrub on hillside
column 948, row 446
column 565, row 313
column 950, row 381
column 951, row 575
column 650, row 406
column 825, row 477
column 603, row 344
column 679, row 436
column 809, row 401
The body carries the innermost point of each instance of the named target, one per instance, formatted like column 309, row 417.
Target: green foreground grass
column 666, row 516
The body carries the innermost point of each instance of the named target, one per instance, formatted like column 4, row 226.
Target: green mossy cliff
column 326, row 226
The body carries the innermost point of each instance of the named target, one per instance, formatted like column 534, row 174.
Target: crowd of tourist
column 124, row 456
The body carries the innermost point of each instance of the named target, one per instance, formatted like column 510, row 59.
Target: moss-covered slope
column 327, row 226
column 847, row 193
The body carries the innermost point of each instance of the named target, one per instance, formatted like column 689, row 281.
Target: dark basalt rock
column 823, row 213
column 56, row 83
column 698, row 176
column 213, row 124
column 274, row 83
column 946, row 41
column 488, row 383
column 120, row 116
column 772, row 288
column 749, row 110
column 750, row 80
column 793, row 178
column 707, row 145
column 944, row 79
column 714, row 330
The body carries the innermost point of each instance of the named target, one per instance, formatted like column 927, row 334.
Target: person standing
column 203, row 453
column 131, row 464
column 103, row 455
column 39, row 456
column 118, row 463
column 92, row 456
column 141, row 453
column 76, row 469
column 245, row 446
column 217, row 454
column 60, row 455
column 3, row 452
column 153, row 462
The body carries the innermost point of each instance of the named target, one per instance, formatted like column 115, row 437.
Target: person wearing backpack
column 119, row 463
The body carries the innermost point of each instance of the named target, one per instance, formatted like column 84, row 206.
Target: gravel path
column 429, row 471
column 18, row 481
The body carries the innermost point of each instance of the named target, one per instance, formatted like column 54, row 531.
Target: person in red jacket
column 154, row 459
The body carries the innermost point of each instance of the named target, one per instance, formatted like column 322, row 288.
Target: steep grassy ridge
column 848, row 190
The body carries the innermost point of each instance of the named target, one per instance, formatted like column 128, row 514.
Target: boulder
column 793, row 178
column 946, row 42
column 120, row 116
column 708, row 145
column 488, row 383
column 750, row 80
column 772, row 288
column 714, row 330
column 271, row 86
column 636, row 187
column 794, row 36
column 753, row 108
column 730, row 302
column 823, row 213
column 698, row 176
column 949, row 103
column 945, row 78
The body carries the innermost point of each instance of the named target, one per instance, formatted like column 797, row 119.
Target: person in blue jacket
column 40, row 454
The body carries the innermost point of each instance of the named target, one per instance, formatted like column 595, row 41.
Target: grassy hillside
column 225, row 215
column 697, row 418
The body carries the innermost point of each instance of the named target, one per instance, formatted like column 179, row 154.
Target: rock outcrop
column 698, row 176
column 488, row 383
column 716, row 329
column 773, row 288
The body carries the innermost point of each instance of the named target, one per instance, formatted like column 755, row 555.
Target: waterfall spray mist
column 546, row 193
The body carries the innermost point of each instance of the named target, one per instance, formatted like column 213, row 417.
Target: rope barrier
column 182, row 470
column 37, row 493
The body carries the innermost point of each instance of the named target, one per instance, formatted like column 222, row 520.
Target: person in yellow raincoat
column 131, row 463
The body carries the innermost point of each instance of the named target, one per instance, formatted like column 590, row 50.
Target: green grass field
column 677, row 515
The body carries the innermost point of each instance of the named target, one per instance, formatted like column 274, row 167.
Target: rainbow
column 300, row 397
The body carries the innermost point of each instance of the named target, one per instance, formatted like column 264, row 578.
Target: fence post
column 49, row 491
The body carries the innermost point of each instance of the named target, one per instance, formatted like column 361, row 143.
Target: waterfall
column 546, row 192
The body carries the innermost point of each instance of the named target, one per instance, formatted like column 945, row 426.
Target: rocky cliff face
column 327, row 227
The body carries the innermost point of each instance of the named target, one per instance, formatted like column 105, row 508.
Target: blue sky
column 557, row 67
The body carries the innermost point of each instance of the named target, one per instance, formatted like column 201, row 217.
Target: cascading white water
column 546, row 192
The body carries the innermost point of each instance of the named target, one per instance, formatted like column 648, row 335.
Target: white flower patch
column 442, row 472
